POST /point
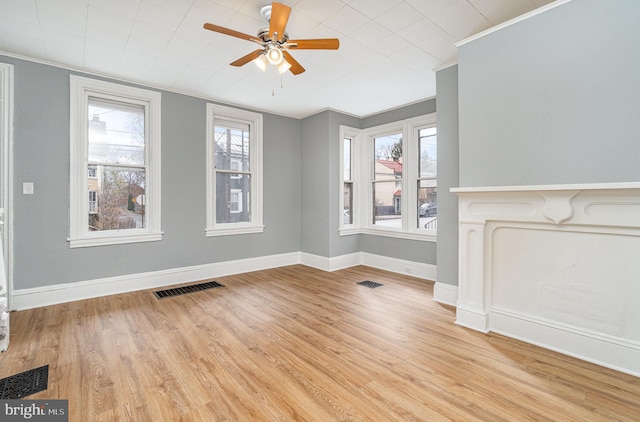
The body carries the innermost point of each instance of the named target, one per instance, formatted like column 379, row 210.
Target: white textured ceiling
column 388, row 48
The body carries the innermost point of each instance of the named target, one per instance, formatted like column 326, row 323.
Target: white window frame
column 6, row 154
column 363, row 150
column 255, row 122
column 81, row 89
column 354, row 135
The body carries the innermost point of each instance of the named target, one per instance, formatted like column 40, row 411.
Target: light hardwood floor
column 297, row 343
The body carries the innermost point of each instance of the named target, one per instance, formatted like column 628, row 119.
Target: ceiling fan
column 275, row 41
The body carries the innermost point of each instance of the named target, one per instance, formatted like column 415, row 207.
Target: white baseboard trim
column 69, row 292
column 473, row 319
column 330, row 264
column 410, row 268
column 608, row 351
column 401, row 266
column 445, row 294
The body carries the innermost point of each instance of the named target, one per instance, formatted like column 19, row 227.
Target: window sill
column 104, row 240
column 423, row 237
column 231, row 231
column 348, row 231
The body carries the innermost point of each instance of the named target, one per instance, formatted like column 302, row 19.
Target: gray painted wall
column 301, row 181
column 338, row 245
column 41, row 155
column 412, row 110
column 553, row 99
column 448, row 174
column 315, row 184
column 321, row 185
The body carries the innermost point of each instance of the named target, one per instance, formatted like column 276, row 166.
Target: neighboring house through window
column 236, row 200
column 234, row 171
column 115, row 163
column 93, row 202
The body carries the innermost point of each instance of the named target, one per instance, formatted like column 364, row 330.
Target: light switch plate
column 27, row 188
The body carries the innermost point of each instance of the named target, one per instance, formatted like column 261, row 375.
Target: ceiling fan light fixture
column 261, row 62
column 274, row 55
column 284, row 66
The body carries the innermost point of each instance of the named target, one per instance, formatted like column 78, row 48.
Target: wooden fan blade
column 246, row 59
column 296, row 68
column 279, row 17
column 319, row 44
column 227, row 31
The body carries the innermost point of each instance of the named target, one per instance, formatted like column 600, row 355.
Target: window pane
column 386, row 204
column 348, row 203
column 347, row 159
column 388, row 157
column 116, row 133
column 120, row 197
column 428, row 200
column 232, row 148
column 233, row 193
column 428, row 152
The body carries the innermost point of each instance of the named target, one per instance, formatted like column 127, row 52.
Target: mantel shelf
column 561, row 187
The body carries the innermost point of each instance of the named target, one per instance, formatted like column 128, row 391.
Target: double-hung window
column 389, row 179
column 115, row 163
column 348, row 185
column 234, row 171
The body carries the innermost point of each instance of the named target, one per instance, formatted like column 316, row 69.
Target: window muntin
column 234, row 176
column 115, row 163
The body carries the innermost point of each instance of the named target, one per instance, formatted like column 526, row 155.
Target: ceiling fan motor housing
column 265, row 12
column 263, row 34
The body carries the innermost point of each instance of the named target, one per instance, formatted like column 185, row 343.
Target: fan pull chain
column 273, row 87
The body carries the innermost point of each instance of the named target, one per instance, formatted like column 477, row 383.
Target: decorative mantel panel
column 554, row 265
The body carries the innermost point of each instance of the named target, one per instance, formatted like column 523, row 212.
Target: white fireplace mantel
column 554, row 265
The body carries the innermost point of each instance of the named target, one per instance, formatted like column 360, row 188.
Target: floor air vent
column 24, row 384
column 161, row 294
column 370, row 284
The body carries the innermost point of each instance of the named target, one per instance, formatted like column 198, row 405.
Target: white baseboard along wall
column 69, row 292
